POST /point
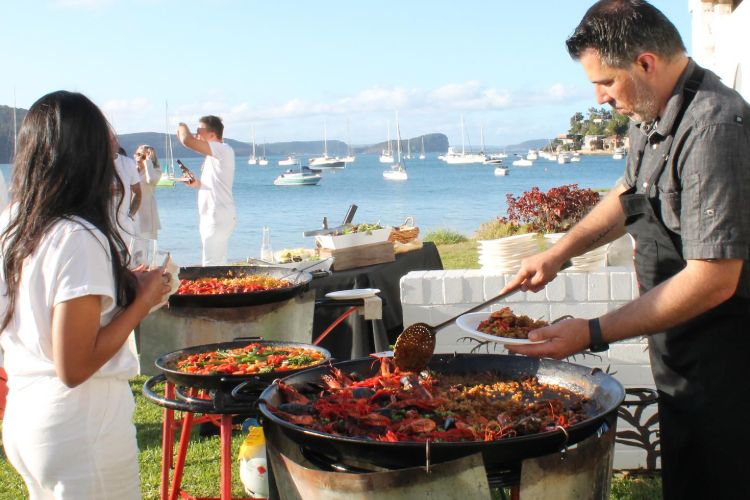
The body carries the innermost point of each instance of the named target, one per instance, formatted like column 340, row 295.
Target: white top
column 72, row 260
column 215, row 198
column 148, row 214
column 127, row 170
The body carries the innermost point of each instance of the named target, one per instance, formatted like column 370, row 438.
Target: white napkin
column 174, row 283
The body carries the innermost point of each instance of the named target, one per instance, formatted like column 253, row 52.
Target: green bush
column 497, row 228
column 445, row 237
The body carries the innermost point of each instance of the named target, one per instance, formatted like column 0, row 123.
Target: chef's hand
column 536, row 271
column 152, row 286
column 562, row 339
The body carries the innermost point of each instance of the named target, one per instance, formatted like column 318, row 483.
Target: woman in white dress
column 67, row 306
column 150, row 172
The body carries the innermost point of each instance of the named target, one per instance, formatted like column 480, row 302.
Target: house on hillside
column 592, row 143
column 721, row 38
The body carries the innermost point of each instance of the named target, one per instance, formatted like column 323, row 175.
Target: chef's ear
column 646, row 62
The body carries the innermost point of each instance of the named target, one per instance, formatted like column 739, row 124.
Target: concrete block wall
column 435, row 296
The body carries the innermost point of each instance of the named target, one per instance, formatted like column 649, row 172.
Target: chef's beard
column 645, row 107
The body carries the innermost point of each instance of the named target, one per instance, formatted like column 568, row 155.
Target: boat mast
column 325, row 139
column 168, row 141
column 15, row 126
column 481, row 138
column 253, row 141
column 463, row 139
column 398, row 138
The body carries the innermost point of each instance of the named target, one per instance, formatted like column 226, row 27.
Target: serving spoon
column 416, row 344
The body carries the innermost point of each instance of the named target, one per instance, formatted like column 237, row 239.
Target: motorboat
column 532, row 155
column 397, row 172
column 299, row 177
column 522, row 162
column 291, row 160
column 564, row 157
column 576, row 157
column 502, row 170
column 619, row 154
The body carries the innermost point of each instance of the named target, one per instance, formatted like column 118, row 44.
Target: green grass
column 201, row 476
column 463, row 255
column 445, row 237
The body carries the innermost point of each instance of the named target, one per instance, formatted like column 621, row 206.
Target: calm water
column 437, row 195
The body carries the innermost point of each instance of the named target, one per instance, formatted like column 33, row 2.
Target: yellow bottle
column 252, row 457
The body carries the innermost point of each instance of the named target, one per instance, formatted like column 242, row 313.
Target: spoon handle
column 494, row 299
column 480, row 306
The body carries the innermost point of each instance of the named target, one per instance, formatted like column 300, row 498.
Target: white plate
column 469, row 323
column 357, row 293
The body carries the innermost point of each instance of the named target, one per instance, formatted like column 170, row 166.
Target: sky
column 293, row 68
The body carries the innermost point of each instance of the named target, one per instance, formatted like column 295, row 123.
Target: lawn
column 202, row 469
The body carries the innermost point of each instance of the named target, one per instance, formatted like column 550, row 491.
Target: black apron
column 700, row 368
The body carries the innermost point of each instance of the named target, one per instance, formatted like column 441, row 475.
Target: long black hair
column 63, row 168
column 620, row 30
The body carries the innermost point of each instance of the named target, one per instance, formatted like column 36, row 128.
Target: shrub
column 555, row 211
column 499, row 228
column 445, row 237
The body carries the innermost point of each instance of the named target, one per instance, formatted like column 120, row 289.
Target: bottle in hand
column 185, row 171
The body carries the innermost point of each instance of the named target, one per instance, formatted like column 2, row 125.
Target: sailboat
column 421, row 155
column 452, row 157
column 349, row 158
column 253, row 160
column 397, row 172
column 387, row 154
column 167, row 171
column 408, row 150
column 263, row 161
column 326, row 161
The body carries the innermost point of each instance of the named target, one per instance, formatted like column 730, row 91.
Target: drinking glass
column 266, row 252
column 143, row 252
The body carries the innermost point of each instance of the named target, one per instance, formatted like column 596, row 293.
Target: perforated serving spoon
column 416, row 344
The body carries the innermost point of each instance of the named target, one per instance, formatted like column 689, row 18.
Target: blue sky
column 289, row 66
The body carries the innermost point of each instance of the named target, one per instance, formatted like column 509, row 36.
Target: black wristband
column 597, row 343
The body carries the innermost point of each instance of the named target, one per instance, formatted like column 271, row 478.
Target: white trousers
column 73, row 444
column 215, row 232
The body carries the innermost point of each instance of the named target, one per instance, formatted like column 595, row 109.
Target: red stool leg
column 226, row 458
column 179, row 467
column 167, row 443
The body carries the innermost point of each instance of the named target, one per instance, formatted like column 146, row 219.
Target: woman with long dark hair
column 67, row 307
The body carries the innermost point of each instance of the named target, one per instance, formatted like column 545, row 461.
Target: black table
column 351, row 339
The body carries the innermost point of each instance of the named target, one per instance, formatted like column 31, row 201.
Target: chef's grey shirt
column 703, row 195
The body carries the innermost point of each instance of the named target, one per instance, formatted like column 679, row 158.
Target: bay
column 439, row 196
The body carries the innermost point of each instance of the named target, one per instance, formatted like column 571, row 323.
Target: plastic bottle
column 253, row 463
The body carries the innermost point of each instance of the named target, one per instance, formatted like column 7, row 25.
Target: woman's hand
column 152, row 286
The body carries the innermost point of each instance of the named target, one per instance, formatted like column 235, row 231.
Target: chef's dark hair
column 620, row 30
column 63, row 169
column 214, row 124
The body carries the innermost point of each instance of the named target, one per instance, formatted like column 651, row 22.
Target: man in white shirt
column 127, row 170
column 215, row 200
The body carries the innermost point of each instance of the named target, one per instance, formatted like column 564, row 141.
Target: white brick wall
column 435, row 296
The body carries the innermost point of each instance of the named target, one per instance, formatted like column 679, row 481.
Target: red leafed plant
column 555, row 211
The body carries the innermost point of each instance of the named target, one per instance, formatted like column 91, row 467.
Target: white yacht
column 387, row 154
column 453, row 157
column 326, row 161
column 302, row 176
column 397, row 172
column 532, row 155
column 619, row 154
column 564, row 157
column 421, row 155
column 522, row 162
column 263, row 161
column 289, row 161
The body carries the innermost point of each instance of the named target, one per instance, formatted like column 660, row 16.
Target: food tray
column 353, row 239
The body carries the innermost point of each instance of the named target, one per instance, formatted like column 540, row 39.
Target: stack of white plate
column 590, row 261
column 504, row 255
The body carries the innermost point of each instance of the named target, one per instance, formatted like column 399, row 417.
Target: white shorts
column 73, row 443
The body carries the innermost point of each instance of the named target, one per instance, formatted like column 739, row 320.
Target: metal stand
column 173, row 400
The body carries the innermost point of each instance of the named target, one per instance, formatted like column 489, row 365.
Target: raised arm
column 190, row 141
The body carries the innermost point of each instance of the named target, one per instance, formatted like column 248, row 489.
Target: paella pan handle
column 249, row 339
column 237, row 390
column 644, row 396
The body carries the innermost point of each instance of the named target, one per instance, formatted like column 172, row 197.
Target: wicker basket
column 404, row 233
